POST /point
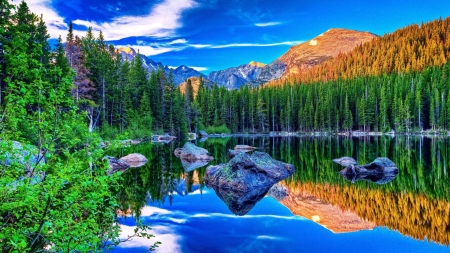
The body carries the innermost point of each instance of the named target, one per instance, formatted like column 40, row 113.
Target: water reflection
column 240, row 202
column 379, row 178
column 416, row 203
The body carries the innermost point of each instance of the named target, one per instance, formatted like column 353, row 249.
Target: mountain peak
column 127, row 50
column 315, row 51
column 257, row 64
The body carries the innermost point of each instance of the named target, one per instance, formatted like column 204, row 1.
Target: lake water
column 314, row 210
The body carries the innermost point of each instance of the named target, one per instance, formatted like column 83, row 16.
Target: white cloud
column 178, row 41
column 155, row 48
column 168, row 237
column 267, row 24
column 55, row 23
column 198, row 69
column 149, row 50
column 288, row 43
column 162, row 21
column 248, row 216
column 268, row 237
column 196, row 192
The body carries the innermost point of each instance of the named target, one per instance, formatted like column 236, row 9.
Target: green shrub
column 218, row 129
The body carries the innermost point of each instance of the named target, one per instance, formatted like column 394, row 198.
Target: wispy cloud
column 162, row 233
column 155, row 48
column 287, row 43
column 162, row 22
column 149, row 50
column 267, row 24
column 55, row 23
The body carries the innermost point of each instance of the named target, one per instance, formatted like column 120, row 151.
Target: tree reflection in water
column 416, row 203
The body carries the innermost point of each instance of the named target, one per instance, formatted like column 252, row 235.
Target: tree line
column 403, row 102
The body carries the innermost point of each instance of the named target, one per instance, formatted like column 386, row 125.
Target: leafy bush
column 218, row 129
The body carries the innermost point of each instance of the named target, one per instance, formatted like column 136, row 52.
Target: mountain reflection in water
column 416, row 203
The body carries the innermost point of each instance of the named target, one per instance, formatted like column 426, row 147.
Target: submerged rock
column 190, row 152
column 381, row 170
column 245, row 179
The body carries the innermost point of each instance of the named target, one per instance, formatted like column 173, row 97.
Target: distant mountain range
column 180, row 74
column 233, row 78
column 296, row 59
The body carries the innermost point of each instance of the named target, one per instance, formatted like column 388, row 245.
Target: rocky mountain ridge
column 297, row 59
column 233, row 78
column 180, row 74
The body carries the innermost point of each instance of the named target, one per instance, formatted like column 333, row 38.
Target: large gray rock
column 190, row 152
column 192, row 157
column 135, row 160
column 245, row 179
column 247, row 171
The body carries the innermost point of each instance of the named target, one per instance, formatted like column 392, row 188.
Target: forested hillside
column 412, row 48
column 399, row 81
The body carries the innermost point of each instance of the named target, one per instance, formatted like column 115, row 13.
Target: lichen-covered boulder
column 190, row 152
column 245, row 179
column 246, row 171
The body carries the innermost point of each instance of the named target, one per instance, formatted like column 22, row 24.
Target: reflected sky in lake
column 202, row 223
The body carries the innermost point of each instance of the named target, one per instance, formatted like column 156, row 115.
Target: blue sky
column 217, row 34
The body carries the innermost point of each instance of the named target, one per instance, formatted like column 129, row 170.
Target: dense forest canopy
column 55, row 194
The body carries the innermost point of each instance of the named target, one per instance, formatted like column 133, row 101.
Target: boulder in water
column 116, row 164
column 381, row 170
column 245, row 179
column 190, row 152
column 135, row 160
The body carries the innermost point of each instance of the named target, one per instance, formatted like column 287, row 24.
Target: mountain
column 313, row 52
column 195, row 83
column 411, row 48
column 332, row 217
column 233, row 78
column 180, row 74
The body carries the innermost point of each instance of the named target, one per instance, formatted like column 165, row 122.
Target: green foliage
column 218, row 129
column 65, row 202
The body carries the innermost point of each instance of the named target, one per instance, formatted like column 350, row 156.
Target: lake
column 314, row 210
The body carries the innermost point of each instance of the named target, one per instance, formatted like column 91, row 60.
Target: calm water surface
column 315, row 210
